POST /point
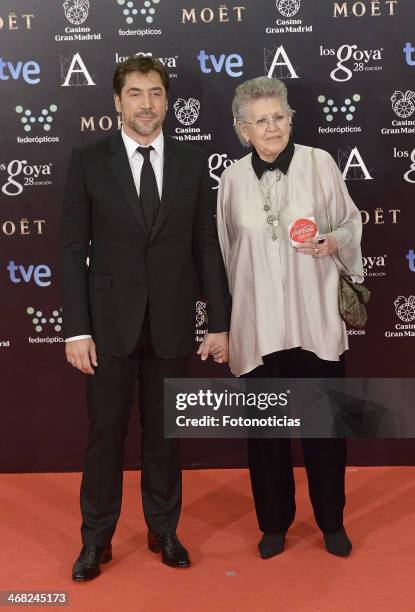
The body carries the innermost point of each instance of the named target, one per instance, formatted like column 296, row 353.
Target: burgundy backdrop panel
column 349, row 67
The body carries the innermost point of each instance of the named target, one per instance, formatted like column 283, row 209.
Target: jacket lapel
column 171, row 173
column 118, row 161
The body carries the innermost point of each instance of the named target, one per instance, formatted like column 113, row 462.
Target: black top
column 282, row 161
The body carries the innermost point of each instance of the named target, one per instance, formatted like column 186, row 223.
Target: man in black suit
column 138, row 204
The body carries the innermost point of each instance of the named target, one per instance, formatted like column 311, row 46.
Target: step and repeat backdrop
column 349, row 67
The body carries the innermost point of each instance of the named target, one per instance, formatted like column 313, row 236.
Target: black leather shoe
column 173, row 553
column 87, row 565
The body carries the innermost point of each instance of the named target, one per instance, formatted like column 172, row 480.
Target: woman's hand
column 216, row 345
column 312, row 246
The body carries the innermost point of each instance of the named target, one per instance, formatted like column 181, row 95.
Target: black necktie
column 149, row 194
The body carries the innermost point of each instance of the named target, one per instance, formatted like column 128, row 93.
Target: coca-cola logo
column 302, row 229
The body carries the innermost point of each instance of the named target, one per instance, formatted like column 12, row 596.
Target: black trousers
column 110, row 395
column 270, row 459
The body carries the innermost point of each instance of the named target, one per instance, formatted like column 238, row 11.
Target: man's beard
column 143, row 130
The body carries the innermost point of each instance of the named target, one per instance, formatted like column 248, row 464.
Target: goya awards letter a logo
column 278, row 65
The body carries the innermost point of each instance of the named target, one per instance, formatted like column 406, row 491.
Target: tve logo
column 28, row 70
column 408, row 51
column 232, row 63
column 411, row 260
column 40, row 274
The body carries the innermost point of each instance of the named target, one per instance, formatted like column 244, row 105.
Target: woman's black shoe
column 337, row 542
column 271, row 544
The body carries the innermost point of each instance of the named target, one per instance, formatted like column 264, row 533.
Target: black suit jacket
column 128, row 268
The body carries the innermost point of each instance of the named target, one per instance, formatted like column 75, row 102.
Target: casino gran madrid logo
column 352, row 165
column 374, row 266
column 187, row 113
column 74, row 72
column 288, row 8
column 218, row 162
column 201, row 320
column 45, row 323
column 76, row 13
column 341, row 112
column 143, row 12
column 351, row 59
column 407, row 154
column 284, row 24
column 20, row 174
column 366, row 8
column 278, row 65
column 405, row 311
column 404, row 307
column 41, row 119
column 403, row 105
column 168, row 62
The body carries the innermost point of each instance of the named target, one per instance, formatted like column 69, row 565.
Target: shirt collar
column 282, row 161
column 131, row 145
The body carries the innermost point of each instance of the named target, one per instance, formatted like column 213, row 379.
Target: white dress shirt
column 136, row 163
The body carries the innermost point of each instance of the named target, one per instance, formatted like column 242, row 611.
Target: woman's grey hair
column 254, row 89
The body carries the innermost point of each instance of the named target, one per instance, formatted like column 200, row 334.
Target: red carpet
column 40, row 539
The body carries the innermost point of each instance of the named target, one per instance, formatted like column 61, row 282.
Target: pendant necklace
column 272, row 216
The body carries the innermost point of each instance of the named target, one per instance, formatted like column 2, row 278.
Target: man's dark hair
column 138, row 64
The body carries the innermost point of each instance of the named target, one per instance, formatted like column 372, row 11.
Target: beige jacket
column 283, row 299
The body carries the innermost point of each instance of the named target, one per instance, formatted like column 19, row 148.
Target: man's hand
column 216, row 345
column 82, row 355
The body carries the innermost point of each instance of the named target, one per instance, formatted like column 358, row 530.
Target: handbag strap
column 341, row 268
column 322, row 189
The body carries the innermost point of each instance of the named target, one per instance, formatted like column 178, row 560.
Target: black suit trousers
column 270, row 459
column 110, row 395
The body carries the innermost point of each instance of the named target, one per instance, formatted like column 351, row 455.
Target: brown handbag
column 352, row 297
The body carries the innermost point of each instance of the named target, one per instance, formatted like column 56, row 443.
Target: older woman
column 285, row 317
